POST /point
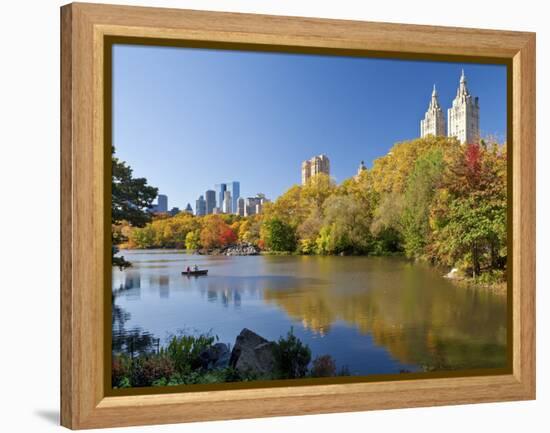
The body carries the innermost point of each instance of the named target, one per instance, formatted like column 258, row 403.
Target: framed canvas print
column 270, row 216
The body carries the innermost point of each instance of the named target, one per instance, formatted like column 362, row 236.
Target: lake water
column 373, row 315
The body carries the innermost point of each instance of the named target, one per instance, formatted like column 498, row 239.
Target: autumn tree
column 216, row 233
column 469, row 215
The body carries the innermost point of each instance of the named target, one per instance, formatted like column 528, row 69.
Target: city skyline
column 273, row 112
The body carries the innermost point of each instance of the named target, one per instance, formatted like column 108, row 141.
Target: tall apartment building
column 240, row 209
column 200, row 206
column 162, row 204
column 434, row 119
column 314, row 166
column 235, row 189
column 227, row 202
column 464, row 115
column 220, row 189
column 210, row 201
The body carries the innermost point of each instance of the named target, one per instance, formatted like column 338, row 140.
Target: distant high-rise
column 240, row 210
column 235, row 189
column 254, row 205
column 434, row 119
column 162, row 204
column 174, row 211
column 314, row 166
column 188, row 208
column 220, row 189
column 200, row 206
column 464, row 115
column 227, row 202
column 210, row 201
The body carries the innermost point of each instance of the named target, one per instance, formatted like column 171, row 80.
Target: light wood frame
column 84, row 403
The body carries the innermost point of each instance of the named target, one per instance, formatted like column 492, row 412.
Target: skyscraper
column 227, row 202
column 464, row 115
column 200, row 207
column 254, row 205
column 240, row 206
column 314, row 166
column 162, row 204
column 434, row 119
column 235, row 189
column 210, row 201
column 220, row 189
column 188, row 208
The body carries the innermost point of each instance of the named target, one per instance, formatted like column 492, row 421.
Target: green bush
column 292, row 357
column 184, row 351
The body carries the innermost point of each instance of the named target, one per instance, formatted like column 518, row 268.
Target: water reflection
column 375, row 315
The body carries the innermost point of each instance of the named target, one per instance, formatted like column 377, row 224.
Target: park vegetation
column 180, row 363
column 429, row 199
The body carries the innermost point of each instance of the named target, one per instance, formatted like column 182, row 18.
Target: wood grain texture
column 84, row 28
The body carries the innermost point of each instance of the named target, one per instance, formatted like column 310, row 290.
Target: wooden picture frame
column 84, row 226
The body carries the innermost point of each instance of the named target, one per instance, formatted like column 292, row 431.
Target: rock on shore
column 252, row 353
column 241, row 250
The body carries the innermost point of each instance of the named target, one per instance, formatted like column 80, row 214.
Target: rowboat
column 195, row 273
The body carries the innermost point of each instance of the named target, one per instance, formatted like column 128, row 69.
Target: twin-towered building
column 463, row 116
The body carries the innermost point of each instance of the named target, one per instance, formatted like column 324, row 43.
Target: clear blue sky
column 187, row 119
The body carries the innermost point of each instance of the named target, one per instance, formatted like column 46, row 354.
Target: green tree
column 278, row 235
column 469, row 211
column 421, row 186
column 349, row 223
column 131, row 200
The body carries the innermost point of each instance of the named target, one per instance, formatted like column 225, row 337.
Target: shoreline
column 467, row 282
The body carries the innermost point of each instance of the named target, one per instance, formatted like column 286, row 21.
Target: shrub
column 292, row 356
column 184, row 351
column 120, row 369
column 149, row 369
column 323, row 366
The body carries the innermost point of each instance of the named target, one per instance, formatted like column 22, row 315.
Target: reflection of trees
column 437, row 327
column 133, row 341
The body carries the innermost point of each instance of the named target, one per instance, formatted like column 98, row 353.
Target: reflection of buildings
column 314, row 166
column 225, row 297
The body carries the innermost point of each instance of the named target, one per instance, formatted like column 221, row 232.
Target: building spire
column 434, row 103
column 462, row 88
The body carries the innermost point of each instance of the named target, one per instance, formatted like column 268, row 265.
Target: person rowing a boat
column 195, row 268
column 188, row 269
